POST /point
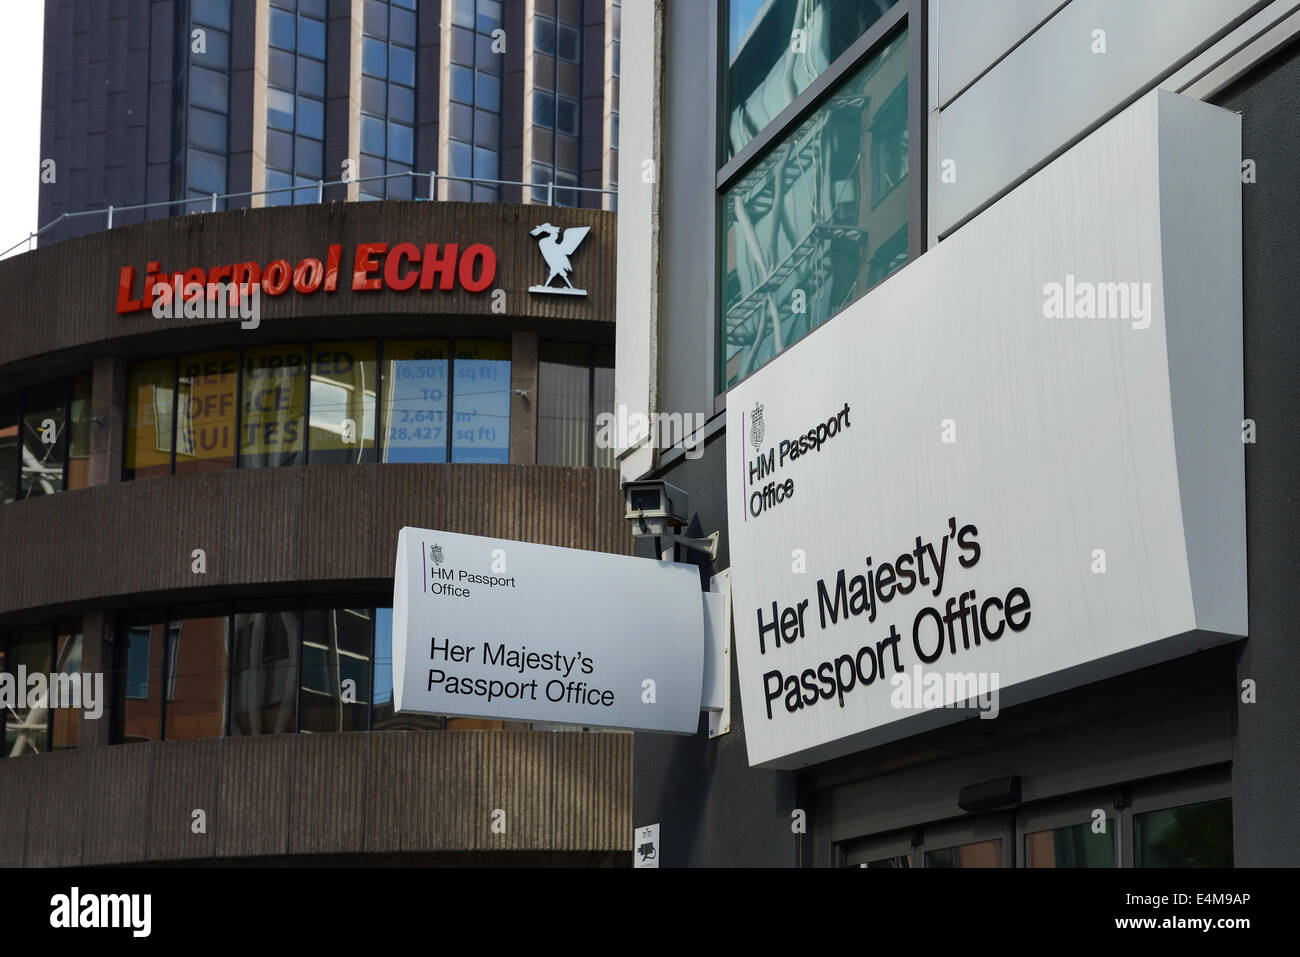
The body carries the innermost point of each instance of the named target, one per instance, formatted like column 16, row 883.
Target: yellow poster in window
column 149, row 418
column 206, row 411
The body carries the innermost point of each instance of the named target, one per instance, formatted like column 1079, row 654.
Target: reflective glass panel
column 335, row 691
column 481, row 402
column 817, row 216
column 311, row 37
column 44, row 445
column 976, row 854
column 67, row 661
column 27, row 728
column 149, row 399
column 415, row 401
column 264, row 672
column 776, row 48
column 1075, row 845
column 603, row 402
column 385, row 718
column 79, row 433
column 196, row 677
column 1194, row 835
column 274, row 404
column 311, row 76
column 209, row 89
column 343, row 388
column 141, row 695
column 563, row 403
column 205, row 413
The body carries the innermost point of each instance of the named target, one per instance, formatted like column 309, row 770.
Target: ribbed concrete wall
column 378, row 792
column 263, row 529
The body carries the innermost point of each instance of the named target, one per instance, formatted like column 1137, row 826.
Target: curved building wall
column 232, row 590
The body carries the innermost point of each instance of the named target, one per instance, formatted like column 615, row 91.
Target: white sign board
column 1015, row 466
column 645, row 846
column 489, row 628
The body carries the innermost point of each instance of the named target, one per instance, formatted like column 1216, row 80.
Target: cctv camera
column 654, row 505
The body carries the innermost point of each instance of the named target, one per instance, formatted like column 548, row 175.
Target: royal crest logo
column 756, row 425
column 436, row 552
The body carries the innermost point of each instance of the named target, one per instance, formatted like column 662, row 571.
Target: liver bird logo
column 556, row 252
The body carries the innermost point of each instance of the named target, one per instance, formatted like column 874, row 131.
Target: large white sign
column 1013, row 467
column 489, row 628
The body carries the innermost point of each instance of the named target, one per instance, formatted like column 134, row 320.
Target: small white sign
column 645, row 846
column 492, row 628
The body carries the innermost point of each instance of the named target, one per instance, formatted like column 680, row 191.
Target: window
column 385, row 717
column 574, row 386
column 137, row 662
column 777, row 48
column 206, row 412
column 264, row 672
column 481, row 402
column 201, row 90
column 388, row 99
column 44, row 442
column 151, row 392
column 324, row 403
column 818, row 219
column 557, row 93
column 273, row 407
column 474, row 146
column 342, row 401
column 1072, row 845
column 1185, row 821
column 45, row 439
column 415, row 401
column 295, row 101
column 48, row 715
column 334, row 694
column 196, row 675
column 66, row 721
column 26, row 729
column 1192, row 835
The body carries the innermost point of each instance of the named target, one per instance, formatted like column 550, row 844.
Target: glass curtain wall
column 201, row 90
column 557, row 99
column 295, row 101
column 474, row 95
column 388, row 67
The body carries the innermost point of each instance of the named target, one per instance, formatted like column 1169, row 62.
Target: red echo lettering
column 365, row 265
column 393, row 264
column 376, row 266
column 444, row 266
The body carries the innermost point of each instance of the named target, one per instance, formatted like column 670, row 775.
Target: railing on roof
column 211, row 202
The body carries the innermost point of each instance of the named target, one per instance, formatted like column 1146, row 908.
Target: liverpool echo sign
column 489, row 628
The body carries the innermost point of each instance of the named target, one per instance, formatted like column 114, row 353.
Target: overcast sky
column 20, row 158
